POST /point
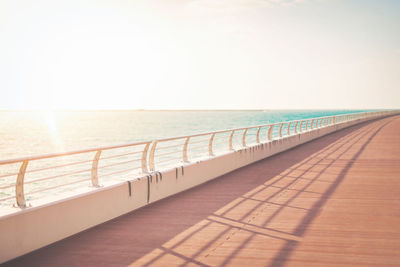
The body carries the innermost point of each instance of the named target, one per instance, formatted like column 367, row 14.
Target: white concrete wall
column 36, row 227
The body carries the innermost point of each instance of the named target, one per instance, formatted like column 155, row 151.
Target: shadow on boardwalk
column 266, row 206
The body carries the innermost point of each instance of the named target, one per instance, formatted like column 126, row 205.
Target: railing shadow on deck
column 302, row 227
column 130, row 237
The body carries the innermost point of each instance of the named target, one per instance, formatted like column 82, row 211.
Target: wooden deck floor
column 333, row 201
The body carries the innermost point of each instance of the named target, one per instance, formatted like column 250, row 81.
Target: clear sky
column 199, row 54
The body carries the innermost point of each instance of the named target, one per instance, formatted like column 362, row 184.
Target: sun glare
column 170, row 55
column 48, row 118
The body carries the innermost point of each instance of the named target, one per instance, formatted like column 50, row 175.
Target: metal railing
column 146, row 157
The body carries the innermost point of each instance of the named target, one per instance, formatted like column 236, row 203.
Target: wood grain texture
column 333, row 201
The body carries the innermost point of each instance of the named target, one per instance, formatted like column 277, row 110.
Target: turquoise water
column 32, row 133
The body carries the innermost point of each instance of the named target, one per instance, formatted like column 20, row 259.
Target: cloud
column 233, row 4
column 237, row 18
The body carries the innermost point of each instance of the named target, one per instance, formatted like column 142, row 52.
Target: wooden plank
column 333, row 201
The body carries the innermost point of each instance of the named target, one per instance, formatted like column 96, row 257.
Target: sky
column 199, row 54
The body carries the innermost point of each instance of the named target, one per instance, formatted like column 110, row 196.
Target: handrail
column 147, row 155
column 60, row 154
column 243, row 128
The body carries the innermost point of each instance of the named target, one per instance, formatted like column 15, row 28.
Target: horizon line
column 143, row 109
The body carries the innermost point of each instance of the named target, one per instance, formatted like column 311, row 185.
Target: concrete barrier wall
column 33, row 228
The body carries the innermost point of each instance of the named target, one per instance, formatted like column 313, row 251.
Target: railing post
column 231, row 140
column 95, row 164
column 144, row 157
column 306, row 125
column 210, row 145
column 271, row 127
column 19, row 185
column 295, row 127
column 280, row 130
column 288, row 129
column 151, row 156
column 301, row 127
column 258, row 135
column 312, row 124
column 320, row 123
column 184, row 151
column 244, row 138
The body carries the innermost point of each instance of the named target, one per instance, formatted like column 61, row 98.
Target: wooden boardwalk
column 333, row 201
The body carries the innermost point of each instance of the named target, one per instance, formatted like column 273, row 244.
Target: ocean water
column 33, row 133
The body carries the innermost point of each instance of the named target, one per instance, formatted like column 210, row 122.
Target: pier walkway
column 333, row 201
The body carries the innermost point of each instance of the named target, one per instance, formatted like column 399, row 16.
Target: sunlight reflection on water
column 33, row 133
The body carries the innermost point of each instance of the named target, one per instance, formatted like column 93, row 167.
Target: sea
column 27, row 133
column 31, row 133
